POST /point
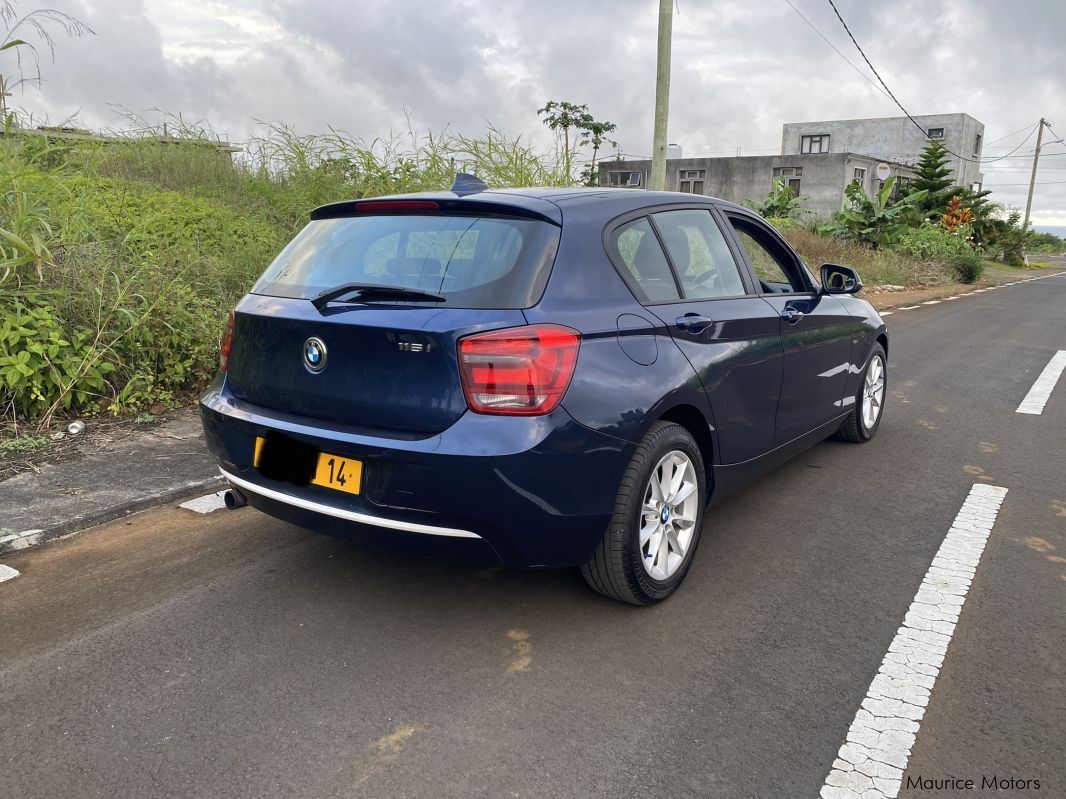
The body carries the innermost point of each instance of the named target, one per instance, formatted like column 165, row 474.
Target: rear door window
column 474, row 262
column 705, row 266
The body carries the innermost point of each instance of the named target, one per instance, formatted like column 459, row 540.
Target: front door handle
column 694, row 323
column 792, row 315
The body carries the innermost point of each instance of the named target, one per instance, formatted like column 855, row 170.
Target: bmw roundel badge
column 315, row 354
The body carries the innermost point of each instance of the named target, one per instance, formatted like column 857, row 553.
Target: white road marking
column 871, row 763
column 886, row 313
column 907, row 308
column 7, row 573
column 21, row 540
column 1040, row 393
column 932, row 302
column 207, row 504
column 949, row 299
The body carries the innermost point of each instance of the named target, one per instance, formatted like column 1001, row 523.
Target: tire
column 856, row 428
column 621, row 568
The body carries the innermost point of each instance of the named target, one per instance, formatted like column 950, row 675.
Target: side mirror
column 837, row 279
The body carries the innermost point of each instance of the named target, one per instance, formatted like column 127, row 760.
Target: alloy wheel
column 873, row 393
column 668, row 515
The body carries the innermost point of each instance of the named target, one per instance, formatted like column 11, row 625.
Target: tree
column 595, row 133
column 934, row 178
column 38, row 23
column 560, row 115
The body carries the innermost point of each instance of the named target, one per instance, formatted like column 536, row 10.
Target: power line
column 898, row 103
column 1009, row 135
column 1038, row 183
column 861, row 74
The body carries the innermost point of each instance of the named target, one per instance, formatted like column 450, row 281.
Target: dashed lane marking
column 7, row 573
column 873, row 759
column 206, row 504
column 932, row 302
column 1040, row 393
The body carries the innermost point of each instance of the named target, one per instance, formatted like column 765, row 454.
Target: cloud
column 740, row 69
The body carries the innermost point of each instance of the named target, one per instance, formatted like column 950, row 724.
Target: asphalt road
column 231, row 655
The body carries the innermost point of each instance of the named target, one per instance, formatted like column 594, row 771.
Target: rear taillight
column 521, row 371
column 227, row 344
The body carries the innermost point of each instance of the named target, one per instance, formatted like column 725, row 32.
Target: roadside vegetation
column 921, row 233
column 120, row 256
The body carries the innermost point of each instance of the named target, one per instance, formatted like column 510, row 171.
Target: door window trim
column 798, row 267
column 751, row 289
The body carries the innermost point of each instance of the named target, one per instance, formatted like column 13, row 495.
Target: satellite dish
column 884, row 171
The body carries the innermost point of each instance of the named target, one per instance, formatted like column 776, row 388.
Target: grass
column 875, row 267
column 124, row 256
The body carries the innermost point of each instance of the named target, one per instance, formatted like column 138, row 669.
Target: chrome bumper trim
column 349, row 515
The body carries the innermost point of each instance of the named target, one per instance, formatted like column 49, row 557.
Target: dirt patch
column 62, row 447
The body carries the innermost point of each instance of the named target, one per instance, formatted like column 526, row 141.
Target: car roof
column 555, row 203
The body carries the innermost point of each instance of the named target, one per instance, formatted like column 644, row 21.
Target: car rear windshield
column 472, row 261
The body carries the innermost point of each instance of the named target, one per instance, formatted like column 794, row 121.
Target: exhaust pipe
column 234, row 499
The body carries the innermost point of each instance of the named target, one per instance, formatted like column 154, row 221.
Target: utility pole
column 1032, row 180
column 662, row 96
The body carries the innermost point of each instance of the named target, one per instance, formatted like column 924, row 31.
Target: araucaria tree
column 934, row 178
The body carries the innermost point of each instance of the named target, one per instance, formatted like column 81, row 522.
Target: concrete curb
column 31, row 538
column 111, row 480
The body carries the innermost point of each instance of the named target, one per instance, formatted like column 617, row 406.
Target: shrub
column 968, row 266
column 42, row 365
column 933, row 243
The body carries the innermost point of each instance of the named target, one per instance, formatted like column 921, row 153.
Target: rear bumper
column 524, row 491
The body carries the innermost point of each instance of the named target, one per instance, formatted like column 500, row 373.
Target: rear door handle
column 694, row 322
column 792, row 315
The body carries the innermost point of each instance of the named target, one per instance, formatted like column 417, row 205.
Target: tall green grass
column 123, row 256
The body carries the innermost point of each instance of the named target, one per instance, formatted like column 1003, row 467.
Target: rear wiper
column 372, row 291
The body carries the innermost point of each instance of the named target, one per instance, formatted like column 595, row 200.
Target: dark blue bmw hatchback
column 539, row 377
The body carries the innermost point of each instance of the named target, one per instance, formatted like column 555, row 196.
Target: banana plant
column 879, row 220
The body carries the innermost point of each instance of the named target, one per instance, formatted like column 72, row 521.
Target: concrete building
column 895, row 139
column 818, row 160
column 820, row 177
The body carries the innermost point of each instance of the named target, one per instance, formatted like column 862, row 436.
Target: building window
column 691, row 181
column 859, row 175
column 936, row 133
column 790, row 176
column 977, row 144
column 818, row 143
column 624, row 179
column 975, row 187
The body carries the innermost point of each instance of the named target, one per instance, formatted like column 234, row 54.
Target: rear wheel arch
column 693, row 419
column 882, row 339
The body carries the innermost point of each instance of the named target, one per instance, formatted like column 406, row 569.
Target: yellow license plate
column 332, row 471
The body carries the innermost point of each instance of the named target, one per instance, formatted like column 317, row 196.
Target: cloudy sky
column 740, row 68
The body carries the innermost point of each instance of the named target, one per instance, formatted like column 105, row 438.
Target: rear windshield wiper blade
column 373, row 291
